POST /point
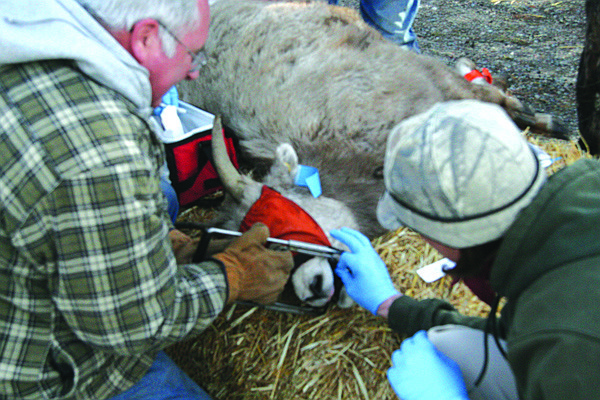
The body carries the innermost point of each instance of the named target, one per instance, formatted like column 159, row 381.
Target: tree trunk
column 588, row 80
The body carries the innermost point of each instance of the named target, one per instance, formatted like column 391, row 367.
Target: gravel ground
column 536, row 44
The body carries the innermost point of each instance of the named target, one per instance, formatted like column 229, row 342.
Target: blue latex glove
column 422, row 372
column 171, row 98
column 364, row 274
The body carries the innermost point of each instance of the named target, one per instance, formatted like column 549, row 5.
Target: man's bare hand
column 184, row 246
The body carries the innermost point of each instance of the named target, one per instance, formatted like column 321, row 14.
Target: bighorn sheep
column 311, row 72
column 313, row 82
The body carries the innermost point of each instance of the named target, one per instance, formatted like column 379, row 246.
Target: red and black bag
column 189, row 159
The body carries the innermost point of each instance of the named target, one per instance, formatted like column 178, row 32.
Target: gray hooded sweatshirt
column 34, row 30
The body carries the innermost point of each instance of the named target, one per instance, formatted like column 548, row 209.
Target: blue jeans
column 171, row 196
column 164, row 381
column 393, row 19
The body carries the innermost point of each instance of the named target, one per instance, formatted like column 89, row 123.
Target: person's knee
column 466, row 346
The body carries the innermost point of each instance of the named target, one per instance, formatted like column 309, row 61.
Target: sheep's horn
column 232, row 180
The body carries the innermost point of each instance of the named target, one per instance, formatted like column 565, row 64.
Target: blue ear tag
column 309, row 177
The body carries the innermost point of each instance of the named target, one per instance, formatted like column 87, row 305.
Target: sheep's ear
column 286, row 155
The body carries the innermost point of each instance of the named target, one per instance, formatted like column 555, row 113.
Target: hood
column 560, row 226
column 286, row 220
column 33, row 30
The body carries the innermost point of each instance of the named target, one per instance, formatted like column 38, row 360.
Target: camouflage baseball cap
column 458, row 174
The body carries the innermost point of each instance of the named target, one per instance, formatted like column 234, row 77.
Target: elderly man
column 463, row 176
column 90, row 286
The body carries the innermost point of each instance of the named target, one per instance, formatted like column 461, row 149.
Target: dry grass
column 251, row 353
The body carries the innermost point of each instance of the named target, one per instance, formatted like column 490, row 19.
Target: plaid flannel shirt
column 89, row 287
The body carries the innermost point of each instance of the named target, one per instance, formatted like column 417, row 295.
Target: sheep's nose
column 316, row 286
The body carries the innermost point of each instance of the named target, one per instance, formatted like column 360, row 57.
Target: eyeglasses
column 199, row 58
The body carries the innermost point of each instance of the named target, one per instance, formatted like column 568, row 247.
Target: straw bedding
column 252, row 353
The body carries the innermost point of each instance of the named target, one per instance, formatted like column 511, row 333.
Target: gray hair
column 179, row 16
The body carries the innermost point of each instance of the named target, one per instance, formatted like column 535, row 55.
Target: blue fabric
column 164, row 381
column 393, row 19
column 171, row 98
column 171, row 196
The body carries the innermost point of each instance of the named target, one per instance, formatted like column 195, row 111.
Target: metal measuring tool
column 296, row 246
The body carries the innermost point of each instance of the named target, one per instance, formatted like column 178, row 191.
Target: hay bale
column 252, row 353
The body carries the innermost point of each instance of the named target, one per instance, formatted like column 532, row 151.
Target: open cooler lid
column 183, row 121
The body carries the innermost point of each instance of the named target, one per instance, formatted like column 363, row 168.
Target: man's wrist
column 233, row 275
column 384, row 307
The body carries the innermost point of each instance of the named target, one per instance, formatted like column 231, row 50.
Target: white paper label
column 434, row 271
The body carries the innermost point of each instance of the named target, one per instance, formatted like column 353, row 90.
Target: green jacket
column 548, row 269
column 89, row 286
